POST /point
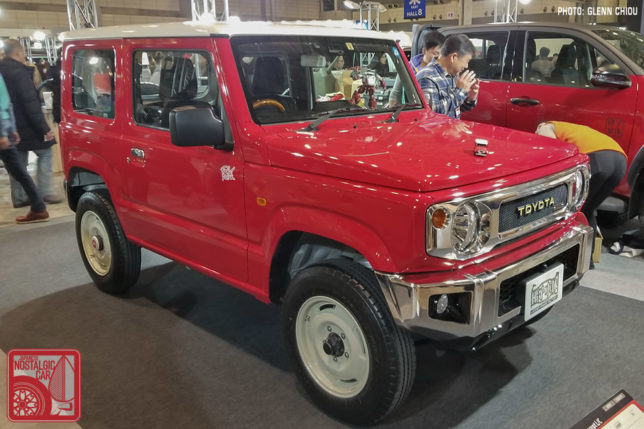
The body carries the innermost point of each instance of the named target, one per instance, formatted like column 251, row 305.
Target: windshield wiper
column 314, row 126
column 394, row 115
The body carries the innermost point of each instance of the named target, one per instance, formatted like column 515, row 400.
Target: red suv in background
column 590, row 75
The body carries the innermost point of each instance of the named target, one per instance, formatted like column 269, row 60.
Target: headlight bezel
column 578, row 198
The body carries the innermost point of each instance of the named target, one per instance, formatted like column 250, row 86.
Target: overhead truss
column 207, row 8
column 82, row 14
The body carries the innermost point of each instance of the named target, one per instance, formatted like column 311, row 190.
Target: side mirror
column 610, row 76
column 192, row 126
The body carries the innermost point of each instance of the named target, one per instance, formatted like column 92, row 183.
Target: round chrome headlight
column 470, row 227
column 578, row 190
column 465, row 227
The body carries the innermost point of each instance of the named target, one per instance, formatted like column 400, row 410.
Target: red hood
column 422, row 152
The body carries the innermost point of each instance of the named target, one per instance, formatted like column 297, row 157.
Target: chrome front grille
column 505, row 212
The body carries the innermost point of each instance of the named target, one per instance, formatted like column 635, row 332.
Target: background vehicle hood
column 419, row 153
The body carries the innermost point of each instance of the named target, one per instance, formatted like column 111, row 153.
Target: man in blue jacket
column 9, row 156
column 34, row 131
column 432, row 43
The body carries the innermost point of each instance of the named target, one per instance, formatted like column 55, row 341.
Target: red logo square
column 43, row 385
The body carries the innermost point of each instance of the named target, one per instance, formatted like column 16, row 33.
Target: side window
column 93, row 82
column 489, row 60
column 557, row 59
column 599, row 59
column 163, row 80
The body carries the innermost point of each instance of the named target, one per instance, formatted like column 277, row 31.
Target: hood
column 420, row 153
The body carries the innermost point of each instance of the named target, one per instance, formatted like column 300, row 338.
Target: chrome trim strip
column 409, row 302
column 439, row 241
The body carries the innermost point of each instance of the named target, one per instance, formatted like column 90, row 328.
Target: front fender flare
column 334, row 226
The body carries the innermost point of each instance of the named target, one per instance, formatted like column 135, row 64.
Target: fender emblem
column 227, row 173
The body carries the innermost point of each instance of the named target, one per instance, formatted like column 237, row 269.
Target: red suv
column 590, row 75
column 258, row 155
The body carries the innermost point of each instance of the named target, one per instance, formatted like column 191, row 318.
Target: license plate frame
column 543, row 290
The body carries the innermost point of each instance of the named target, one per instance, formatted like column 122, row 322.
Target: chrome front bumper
column 409, row 302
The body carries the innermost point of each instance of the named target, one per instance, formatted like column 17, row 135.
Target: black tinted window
column 629, row 43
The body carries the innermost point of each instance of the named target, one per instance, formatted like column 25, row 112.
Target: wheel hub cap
column 333, row 345
column 97, row 242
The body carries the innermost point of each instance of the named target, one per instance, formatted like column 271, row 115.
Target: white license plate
column 543, row 290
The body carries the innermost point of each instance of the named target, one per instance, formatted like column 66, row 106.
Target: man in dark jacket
column 32, row 127
column 9, row 156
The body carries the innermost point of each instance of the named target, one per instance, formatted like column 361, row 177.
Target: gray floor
column 183, row 350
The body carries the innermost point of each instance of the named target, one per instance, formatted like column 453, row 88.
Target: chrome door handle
column 528, row 101
column 139, row 153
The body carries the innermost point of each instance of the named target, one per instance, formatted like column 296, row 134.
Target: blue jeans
column 43, row 176
column 11, row 159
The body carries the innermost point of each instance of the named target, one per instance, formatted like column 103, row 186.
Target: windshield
column 289, row 79
column 631, row 44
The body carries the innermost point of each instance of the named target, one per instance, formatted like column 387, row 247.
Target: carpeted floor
column 184, row 351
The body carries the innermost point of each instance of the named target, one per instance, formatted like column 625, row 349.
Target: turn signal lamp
column 439, row 218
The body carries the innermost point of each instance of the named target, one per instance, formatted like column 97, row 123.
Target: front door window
column 556, row 59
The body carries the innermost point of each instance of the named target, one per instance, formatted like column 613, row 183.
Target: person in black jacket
column 9, row 156
column 32, row 127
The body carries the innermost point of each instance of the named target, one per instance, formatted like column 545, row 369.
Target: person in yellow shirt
column 607, row 160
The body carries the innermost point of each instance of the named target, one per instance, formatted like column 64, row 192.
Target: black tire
column 120, row 271
column 391, row 352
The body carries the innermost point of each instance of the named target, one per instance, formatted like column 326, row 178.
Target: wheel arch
column 80, row 180
column 298, row 250
column 324, row 236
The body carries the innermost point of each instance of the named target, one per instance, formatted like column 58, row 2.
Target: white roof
column 200, row 29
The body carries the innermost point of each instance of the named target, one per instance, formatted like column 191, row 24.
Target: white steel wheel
column 96, row 243
column 349, row 355
column 332, row 346
column 113, row 262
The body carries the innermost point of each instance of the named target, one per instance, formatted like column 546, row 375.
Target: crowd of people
column 24, row 129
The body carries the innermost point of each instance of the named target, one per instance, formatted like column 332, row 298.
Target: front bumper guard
column 409, row 302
